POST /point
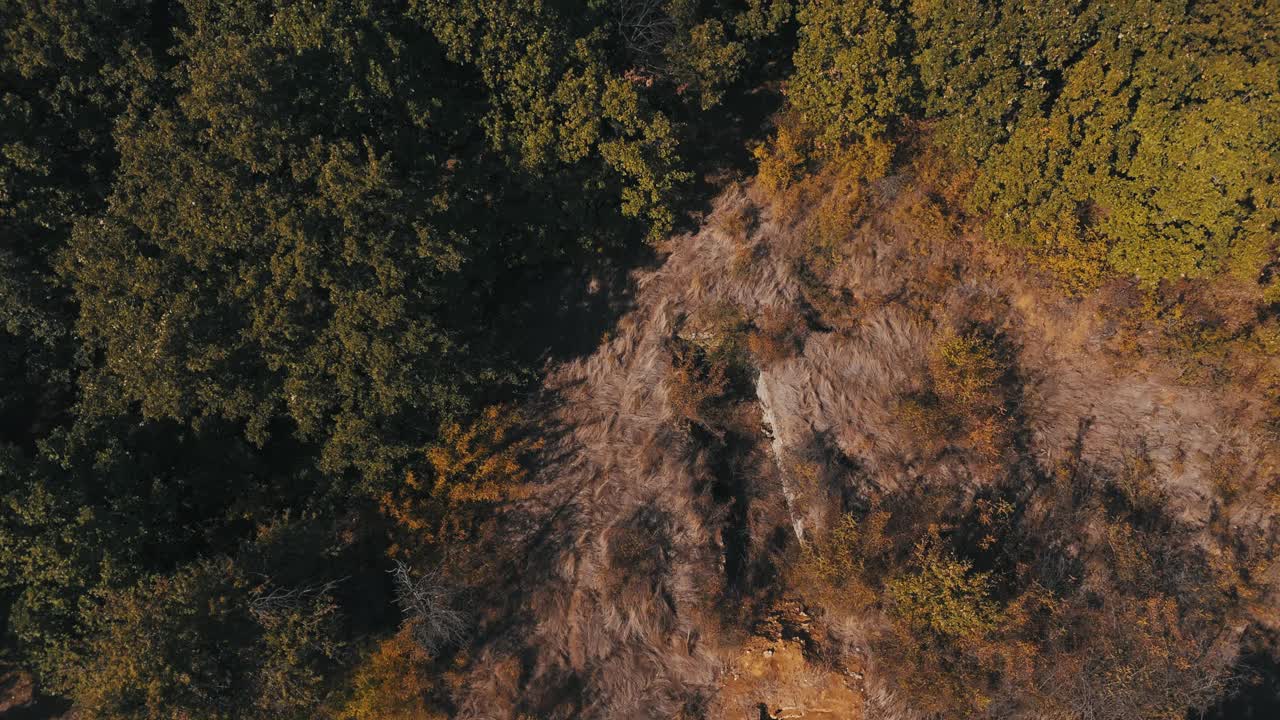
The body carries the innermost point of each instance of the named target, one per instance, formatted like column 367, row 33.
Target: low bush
column 778, row 334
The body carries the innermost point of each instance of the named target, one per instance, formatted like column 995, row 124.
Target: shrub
column 1075, row 256
column 710, row 367
column 778, row 335
column 1139, row 488
column 393, row 682
column 964, row 370
column 696, row 390
column 943, row 596
column 427, row 603
column 782, row 161
column 471, row 469
column 835, row 559
column 964, row 404
column 738, row 221
column 640, row 554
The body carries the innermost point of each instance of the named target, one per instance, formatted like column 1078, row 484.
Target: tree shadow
column 1258, row 696
column 21, row 700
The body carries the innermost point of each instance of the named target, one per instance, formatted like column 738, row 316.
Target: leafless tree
column 427, row 604
column 271, row 601
column 646, row 27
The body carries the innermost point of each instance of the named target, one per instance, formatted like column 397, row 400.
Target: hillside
column 714, row 359
column 721, row 462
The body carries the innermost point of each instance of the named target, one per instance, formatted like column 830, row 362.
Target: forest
column 698, row 359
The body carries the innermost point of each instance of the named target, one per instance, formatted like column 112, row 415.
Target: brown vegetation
column 984, row 507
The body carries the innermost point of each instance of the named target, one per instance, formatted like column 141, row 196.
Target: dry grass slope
column 660, row 536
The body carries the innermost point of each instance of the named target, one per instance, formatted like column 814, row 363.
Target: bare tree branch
column 646, row 29
column 271, row 601
column 427, row 604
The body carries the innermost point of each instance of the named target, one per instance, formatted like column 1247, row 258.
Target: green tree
column 207, row 642
column 983, row 64
column 852, row 78
column 705, row 61
column 103, row 503
column 289, row 233
column 66, row 69
column 1148, row 129
column 557, row 96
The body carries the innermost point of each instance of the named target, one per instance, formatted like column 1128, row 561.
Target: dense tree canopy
column 1156, row 126
column 257, row 254
column 1149, row 130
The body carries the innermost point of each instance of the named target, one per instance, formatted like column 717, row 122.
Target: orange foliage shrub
column 964, row 405
column 468, row 470
column 778, row 335
column 696, row 390
column 1076, row 257
column 394, row 682
column 708, row 366
column 783, row 160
